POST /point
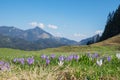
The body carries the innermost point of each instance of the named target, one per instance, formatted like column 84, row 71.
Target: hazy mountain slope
column 32, row 39
column 17, row 43
column 90, row 40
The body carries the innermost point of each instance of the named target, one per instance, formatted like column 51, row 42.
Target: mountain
column 29, row 35
column 90, row 40
column 17, row 43
column 36, row 34
column 11, row 31
column 36, row 38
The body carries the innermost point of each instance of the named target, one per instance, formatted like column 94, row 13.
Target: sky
column 73, row 19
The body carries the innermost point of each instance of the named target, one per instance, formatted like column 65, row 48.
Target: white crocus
column 118, row 55
column 60, row 63
column 99, row 62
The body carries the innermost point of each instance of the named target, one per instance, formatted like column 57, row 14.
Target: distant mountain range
column 31, row 39
column 90, row 40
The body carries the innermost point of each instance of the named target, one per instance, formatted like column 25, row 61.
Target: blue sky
column 73, row 19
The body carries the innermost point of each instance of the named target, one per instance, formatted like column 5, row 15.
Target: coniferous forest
column 112, row 26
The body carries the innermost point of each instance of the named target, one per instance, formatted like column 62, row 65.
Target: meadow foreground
column 49, row 65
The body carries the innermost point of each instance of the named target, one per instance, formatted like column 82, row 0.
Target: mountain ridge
column 36, row 36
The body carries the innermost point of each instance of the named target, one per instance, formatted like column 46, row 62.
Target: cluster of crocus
column 46, row 58
column 4, row 66
column 69, row 58
column 99, row 59
column 95, row 55
column 61, row 58
column 19, row 60
column 23, row 60
column 72, row 57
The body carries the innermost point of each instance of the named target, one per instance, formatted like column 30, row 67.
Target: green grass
column 84, row 69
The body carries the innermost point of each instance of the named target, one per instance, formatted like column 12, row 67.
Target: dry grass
column 54, row 74
column 114, row 41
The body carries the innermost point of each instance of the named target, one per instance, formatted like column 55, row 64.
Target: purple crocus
column 7, row 66
column 95, row 55
column 47, row 61
column 30, row 60
column 108, row 58
column 69, row 58
column 52, row 56
column 76, row 57
column 61, row 58
column 15, row 60
column 21, row 60
column 2, row 63
column 4, row 66
column 43, row 56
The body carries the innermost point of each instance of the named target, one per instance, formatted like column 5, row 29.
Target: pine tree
column 112, row 27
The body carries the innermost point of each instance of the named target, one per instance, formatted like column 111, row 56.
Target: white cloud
column 41, row 25
column 34, row 24
column 52, row 26
column 98, row 32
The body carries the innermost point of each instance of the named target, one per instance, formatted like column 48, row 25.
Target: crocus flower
column 76, row 57
column 43, row 56
column 1, row 63
column 30, row 60
column 118, row 55
column 60, row 63
column 71, row 57
column 52, row 56
column 61, row 58
column 108, row 58
column 95, row 55
column 7, row 66
column 4, row 66
column 47, row 61
column 15, row 60
column 99, row 62
column 21, row 60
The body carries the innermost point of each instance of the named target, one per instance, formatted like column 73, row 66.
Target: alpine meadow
column 59, row 40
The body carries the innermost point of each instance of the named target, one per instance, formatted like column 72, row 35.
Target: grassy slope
column 112, row 44
column 114, row 41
